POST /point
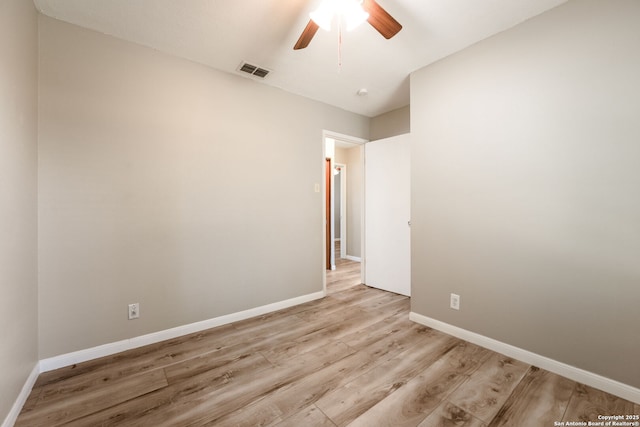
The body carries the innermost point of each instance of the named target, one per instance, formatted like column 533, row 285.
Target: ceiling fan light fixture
column 353, row 14
column 350, row 10
column 323, row 15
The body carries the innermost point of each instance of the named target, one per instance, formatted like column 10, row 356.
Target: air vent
column 254, row 70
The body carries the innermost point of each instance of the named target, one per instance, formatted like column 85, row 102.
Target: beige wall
column 355, row 190
column 18, row 172
column 525, row 178
column 392, row 123
column 167, row 183
column 352, row 158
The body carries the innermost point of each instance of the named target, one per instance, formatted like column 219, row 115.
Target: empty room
column 320, row 213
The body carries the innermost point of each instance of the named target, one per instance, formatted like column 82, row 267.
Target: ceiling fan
column 354, row 12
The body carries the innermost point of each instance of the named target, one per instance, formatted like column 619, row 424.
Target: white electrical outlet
column 455, row 301
column 134, row 311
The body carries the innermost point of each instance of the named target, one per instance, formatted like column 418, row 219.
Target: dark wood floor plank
column 489, row 387
column 449, row 415
column 540, row 399
column 587, row 403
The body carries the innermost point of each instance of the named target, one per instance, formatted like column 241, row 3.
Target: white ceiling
column 222, row 33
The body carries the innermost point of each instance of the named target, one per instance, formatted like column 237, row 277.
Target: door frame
column 343, row 209
column 356, row 141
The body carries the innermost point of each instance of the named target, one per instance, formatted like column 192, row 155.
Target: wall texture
column 393, row 123
column 351, row 156
column 525, row 177
column 355, row 189
column 18, row 195
column 167, row 183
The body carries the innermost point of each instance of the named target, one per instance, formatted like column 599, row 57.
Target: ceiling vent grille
column 254, row 70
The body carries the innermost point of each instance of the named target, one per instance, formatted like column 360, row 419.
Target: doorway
column 343, row 202
column 340, row 222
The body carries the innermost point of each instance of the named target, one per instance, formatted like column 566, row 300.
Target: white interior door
column 387, row 214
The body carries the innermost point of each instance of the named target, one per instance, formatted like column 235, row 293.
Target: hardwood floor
column 352, row 358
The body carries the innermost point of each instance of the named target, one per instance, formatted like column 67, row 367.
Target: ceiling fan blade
column 306, row 36
column 381, row 20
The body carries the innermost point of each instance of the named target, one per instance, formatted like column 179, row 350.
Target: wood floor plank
column 208, row 366
column 127, row 413
column 136, row 360
column 182, row 387
column 62, row 409
column 371, row 334
column 351, row 357
column 490, row 387
column 540, row 399
column 412, row 402
column 449, row 415
column 587, row 403
column 210, row 403
column 311, row 416
column 353, row 399
column 336, row 308
column 298, row 395
column 32, row 399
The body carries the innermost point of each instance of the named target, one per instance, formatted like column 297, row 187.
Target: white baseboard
column 353, row 258
column 12, row 416
column 576, row 374
column 80, row 356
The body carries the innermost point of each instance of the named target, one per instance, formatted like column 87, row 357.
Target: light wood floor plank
column 311, row 416
column 587, row 403
column 449, row 415
column 295, row 397
column 410, row 404
column 489, row 387
column 60, row 409
column 353, row 399
column 208, row 407
column 351, row 357
column 540, row 399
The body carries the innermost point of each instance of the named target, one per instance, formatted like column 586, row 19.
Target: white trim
column 353, row 258
column 343, row 137
column 343, row 210
column 580, row 375
column 12, row 416
column 356, row 141
column 332, row 213
column 128, row 344
column 362, row 259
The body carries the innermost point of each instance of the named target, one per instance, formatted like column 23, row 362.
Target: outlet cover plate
column 455, row 301
column 134, row 311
